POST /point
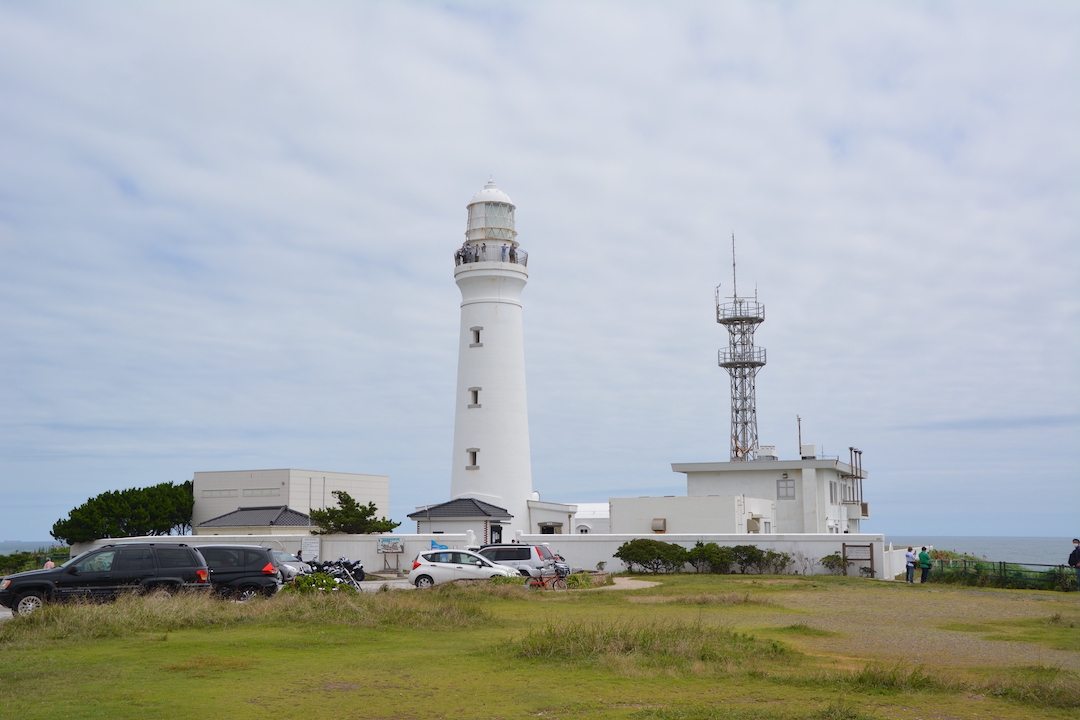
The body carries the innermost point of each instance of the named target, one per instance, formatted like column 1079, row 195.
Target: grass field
column 692, row 648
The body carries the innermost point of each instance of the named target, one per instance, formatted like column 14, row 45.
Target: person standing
column 909, row 558
column 924, row 564
column 1074, row 560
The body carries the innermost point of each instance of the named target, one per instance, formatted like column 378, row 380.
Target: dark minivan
column 243, row 571
column 108, row 571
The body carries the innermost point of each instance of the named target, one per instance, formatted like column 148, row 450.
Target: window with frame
column 785, row 489
column 833, row 494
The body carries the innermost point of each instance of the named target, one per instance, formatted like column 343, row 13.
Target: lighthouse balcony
column 741, row 357
column 497, row 253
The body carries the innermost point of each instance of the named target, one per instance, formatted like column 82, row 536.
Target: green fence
column 1021, row 576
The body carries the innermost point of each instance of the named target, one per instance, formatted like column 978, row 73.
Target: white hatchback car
column 441, row 566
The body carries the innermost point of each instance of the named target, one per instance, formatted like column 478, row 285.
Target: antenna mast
column 742, row 360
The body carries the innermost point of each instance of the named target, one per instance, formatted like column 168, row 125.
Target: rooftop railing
column 500, row 253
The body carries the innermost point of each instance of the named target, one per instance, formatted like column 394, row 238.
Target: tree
column 350, row 517
column 748, row 557
column 710, row 557
column 162, row 509
column 653, row 556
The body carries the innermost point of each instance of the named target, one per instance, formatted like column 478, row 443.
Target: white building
column 714, row 514
column 812, row 495
column 218, row 493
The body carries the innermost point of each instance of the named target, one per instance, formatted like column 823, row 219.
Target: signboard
column 858, row 552
column 389, row 546
column 309, row 547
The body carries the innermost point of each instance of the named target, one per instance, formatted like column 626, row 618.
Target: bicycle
column 555, row 582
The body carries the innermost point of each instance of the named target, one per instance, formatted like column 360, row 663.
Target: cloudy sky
column 226, row 236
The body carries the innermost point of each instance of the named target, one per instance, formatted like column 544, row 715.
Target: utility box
column 808, row 452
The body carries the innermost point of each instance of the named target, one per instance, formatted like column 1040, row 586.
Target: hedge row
column 656, row 556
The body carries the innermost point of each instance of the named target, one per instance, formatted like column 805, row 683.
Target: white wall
column 585, row 551
column 714, row 514
column 582, row 551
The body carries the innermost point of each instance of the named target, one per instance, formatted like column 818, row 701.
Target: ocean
column 1037, row 550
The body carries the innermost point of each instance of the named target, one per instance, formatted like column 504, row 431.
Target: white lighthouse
column 491, row 459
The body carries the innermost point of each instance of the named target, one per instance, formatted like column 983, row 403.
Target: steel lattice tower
column 742, row 360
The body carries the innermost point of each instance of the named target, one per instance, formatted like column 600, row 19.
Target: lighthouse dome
column 491, row 217
column 491, row 193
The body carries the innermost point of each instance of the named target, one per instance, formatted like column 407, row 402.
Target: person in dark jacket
column 1074, row 560
column 924, row 565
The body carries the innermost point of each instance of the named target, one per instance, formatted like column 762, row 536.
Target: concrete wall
column 582, row 551
column 355, row 547
column 220, row 492
column 585, row 551
column 559, row 515
column 717, row 514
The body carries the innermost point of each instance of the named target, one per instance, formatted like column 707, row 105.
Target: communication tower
column 742, row 360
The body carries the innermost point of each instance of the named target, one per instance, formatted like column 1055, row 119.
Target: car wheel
column 248, row 592
column 424, row 581
column 28, row 602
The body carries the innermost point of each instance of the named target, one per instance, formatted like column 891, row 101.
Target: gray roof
column 259, row 517
column 462, row 508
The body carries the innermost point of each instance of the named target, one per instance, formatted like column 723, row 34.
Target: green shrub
column 653, row 556
column 748, row 557
column 776, row 562
column 834, row 563
column 316, row 582
column 508, row 580
column 579, row 581
column 710, row 557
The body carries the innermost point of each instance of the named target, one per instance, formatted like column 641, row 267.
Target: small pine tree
column 350, row 517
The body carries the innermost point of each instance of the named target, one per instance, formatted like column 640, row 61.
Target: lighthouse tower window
column 476, row 337
column 474, row 397
column 472, row 453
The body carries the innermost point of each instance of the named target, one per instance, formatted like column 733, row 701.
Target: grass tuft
column 649, row 644
column 160, row 612
column 806, row 630
column 1040, row 685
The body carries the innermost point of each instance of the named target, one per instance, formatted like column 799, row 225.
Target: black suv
column 105, row 572
column 243, row 571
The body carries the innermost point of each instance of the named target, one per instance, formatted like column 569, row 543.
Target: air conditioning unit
column 808, row 452
column 767, row 452
column 659, row 525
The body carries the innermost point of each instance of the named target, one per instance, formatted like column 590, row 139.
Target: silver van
column 530, row 560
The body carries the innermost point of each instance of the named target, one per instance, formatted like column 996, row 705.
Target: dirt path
column 625, row 583
column 906, row 625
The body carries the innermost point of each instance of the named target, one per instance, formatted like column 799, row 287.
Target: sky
column 227, row 234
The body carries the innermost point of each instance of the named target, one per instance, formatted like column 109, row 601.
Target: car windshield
column 282, row 556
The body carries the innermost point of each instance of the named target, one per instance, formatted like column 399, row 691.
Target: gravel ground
column 902, row 623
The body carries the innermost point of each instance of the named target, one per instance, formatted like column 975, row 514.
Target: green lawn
column 695, row 647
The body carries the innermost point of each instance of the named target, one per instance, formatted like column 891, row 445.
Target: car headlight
column 4, row 583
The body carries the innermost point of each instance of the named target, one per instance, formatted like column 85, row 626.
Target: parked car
column 530, row 560
column 291, row 566
column 108, row 571
column 243, row 571
column 441, row 566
